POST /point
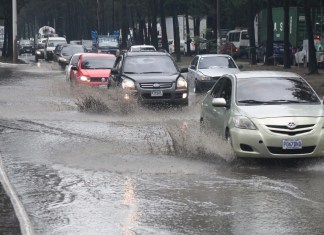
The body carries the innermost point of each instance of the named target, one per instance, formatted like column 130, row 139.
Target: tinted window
column 53, row 43
column 274, row 90
column 216, row 62
column 72, row 50
column 149, row 64
column 108, row 43
column 97, row 62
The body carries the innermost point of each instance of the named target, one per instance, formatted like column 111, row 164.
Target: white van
column 240, row 39
column 50, row 45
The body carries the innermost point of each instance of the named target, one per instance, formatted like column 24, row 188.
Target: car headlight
column 182, row 83
column 204, row 78
column 62, row 59
column 128, row 84
column 85, row 79
column 38, row 52
column 243, row 122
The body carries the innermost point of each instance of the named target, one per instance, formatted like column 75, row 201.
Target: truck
column 297, row 25
column 108, row 44
column 182, row 32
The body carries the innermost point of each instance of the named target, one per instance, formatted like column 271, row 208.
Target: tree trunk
column 165, row 44
column 251, row 12
column 188, row 38
column 176, row 32
column 154, row 35
column 312, row 61
column 125, row 27
column 287, row 52
column 269, row 46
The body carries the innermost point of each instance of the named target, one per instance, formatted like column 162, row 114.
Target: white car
column 205, row 70
column 50, row 45
column 142, row 48
column 73, row 62
column 266, row 114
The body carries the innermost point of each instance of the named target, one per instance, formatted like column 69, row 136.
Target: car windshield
column 149, row 64
column 26, row 43
column 216, row 62
column 274, row 91
column 99, row 62
column 108, row 43
column 143, row 49
column 66, row 51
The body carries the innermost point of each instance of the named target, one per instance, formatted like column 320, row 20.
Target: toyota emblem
column 156, row 85
column 291, row 125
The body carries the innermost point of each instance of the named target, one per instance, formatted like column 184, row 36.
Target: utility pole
column 98, row 21
column 14, row 31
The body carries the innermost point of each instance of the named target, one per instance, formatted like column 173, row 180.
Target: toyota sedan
column 266, row 114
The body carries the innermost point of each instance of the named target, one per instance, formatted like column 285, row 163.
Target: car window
column 226, row 90
column 149, row 64
column 274, row 90
column 75, row 60
column 66, row 51
column 216, row 90
column 216, row 62
column 93, row 62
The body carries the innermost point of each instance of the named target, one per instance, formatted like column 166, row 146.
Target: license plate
column 292, row 144
column 157, row 93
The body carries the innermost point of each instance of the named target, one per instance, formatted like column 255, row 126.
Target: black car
column 63, row 55
column 26, row 46
column 152, row 77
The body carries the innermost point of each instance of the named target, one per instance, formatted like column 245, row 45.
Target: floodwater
column 139, row 170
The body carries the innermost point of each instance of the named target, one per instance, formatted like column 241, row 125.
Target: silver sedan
column 266, row 114
column 204, row 70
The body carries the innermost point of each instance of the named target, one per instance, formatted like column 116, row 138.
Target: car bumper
column 169, row 96
column 254, row 144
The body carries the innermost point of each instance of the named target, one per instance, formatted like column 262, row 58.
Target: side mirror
column 192, row 67
column 114, row 71
column 75, row 68
column 184, row 70
column 219, row 102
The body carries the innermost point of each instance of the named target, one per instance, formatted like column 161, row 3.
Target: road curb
column 25, row 224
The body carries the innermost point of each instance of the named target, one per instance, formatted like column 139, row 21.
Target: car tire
column 228, row 137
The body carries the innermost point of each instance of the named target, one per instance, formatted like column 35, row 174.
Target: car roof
column 144, row 53
column 139, row 46
column 214, row 55
column 97, row 55
column 265, row 74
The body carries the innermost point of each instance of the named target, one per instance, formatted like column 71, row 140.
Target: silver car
column 266, row 114
column 205, row 70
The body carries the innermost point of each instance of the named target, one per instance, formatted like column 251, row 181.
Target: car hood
column 152, row 77
column 217, row 72
column 96, row 72
column 273, row 111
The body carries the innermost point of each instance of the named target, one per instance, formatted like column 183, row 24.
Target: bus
column 240, row 39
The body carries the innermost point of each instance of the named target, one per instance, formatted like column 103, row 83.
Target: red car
column 93, row 69
column 229, row 49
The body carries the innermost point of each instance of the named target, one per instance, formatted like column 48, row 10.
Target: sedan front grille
column 100, row 79
column 156, row 85
column 284, row 130
column 280, row 150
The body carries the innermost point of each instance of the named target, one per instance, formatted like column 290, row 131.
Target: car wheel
column 231, row 153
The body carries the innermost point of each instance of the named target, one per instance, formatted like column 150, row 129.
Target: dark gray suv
column 152, row 77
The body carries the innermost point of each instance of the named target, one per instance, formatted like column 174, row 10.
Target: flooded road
column 139, row 170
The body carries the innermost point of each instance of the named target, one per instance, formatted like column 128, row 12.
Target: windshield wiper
column 130, row 72
column 288, row 101
column 252, row 101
